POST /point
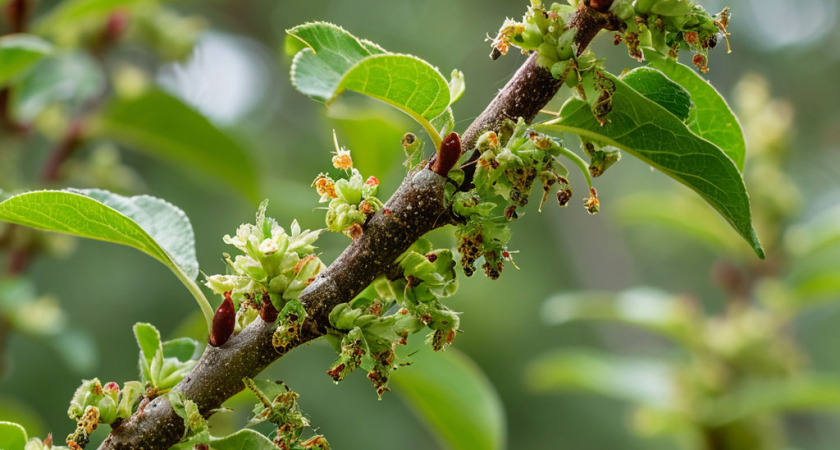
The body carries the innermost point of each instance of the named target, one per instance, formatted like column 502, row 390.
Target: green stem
column 203, row 303
column 575, row 158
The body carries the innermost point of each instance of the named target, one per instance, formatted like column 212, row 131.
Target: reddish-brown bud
column 448, row 154
column 268, row 313
column 601, row 5
column 224, row 322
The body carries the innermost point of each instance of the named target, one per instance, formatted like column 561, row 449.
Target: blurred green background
column 238, row 76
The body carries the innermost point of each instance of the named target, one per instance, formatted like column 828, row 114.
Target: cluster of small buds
column 601, row 158
column 508, row 168
column 197, row 430
column 366, row 332
column 275, row 267
column 283, row 411
column 350, row 358
column 664, row 25
column 352, row 200
column 111, row 403
column 541, row 29
column 670, row 25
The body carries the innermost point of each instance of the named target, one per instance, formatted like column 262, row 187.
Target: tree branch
column 416, row 208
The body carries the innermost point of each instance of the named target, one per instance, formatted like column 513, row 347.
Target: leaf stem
column 575, row 158
column 203, row 303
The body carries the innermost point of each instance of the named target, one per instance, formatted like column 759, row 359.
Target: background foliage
column 238, row 78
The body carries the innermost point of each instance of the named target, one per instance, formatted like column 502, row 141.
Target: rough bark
column 415, row 209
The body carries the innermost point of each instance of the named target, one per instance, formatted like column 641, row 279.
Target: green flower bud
column 672, row 7
column 130, row 395
column 560, row 69
column 531, row 37
column 623, row 9
column 565, row 44
column 644, row 6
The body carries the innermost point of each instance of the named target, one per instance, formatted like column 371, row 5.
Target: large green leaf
column 654, row 85
column 334, row 60
column 646, row 308
column 19, row 52
column 148, row 224
column 714, row 120
column 648, row 131
column 12, row 436
column 163, row 126
column 642, row 381
column 72, row 79
column 454, row 398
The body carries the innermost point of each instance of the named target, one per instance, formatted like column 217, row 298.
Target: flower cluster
column 276, row 266
column 352, row 199
column 509, row 165
column 366, row 331
column 278, row 405
column 663, row 25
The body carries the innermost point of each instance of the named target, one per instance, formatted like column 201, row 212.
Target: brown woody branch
column 416, row 208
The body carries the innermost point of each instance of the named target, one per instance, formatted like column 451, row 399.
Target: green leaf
column 184, row 349
column 454, row 398
column 76, row 348
column 324, row 53
column 444, row 123
column 457, row 85
column 641, row 381
column 71, row 79
column 12, row 436
column 246, row 439
column 19, row 52
column 649, row 132
column 72, row 11
column 14, row 410
column 646, row 308
column 42, row 319
column 335, row 60
column 148, row 224
column 654, row 85
column 820, row 233
column 714, row 120
column 814, row 392
column 148, row 338
column 162, row 126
